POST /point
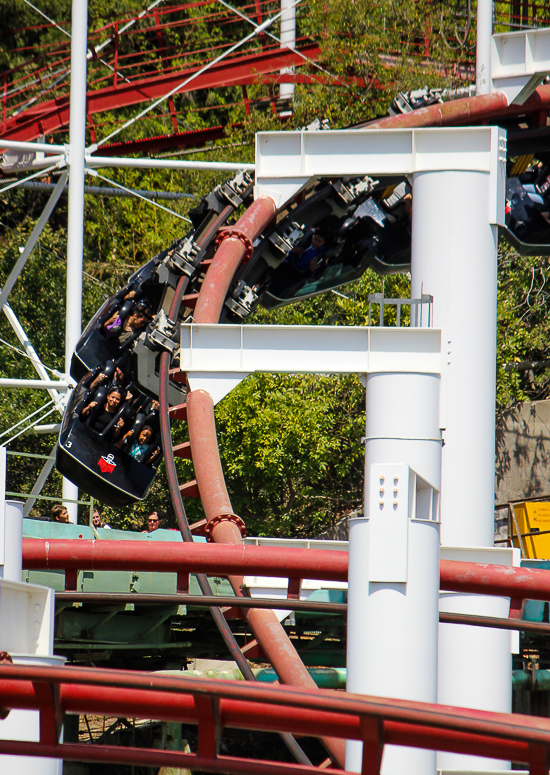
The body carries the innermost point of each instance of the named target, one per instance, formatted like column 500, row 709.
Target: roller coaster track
column 50, row 116
column 215, row 705
column 207, row 298
column 222, row 524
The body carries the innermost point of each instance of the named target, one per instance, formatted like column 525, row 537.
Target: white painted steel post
column 26, row 633
column 394, row 557
column 12, row 568
column 454, row 258
column 288, row 38
column 75, row 237
column 3, row 466
column 484, row 34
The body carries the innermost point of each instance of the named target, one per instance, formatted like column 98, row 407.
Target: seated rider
column 304, row 260
column 110, row 408
column 135, row 322
column 139, row 447
column 307, row 259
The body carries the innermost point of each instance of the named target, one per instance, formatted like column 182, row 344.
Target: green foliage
column 523, row 327
column 291, row 451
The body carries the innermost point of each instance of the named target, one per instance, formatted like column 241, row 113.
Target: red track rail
column 215, row 705
column 295, row 564
column 48, row 117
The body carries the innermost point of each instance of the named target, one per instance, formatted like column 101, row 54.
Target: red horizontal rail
column 256, row 707
column 49, row 116
column 84, row 554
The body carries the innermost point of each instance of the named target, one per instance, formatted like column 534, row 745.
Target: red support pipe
column 84, row 554
column 463, row 111
column 228, row 258
column 522, row 583
column 168, row 557
column 223, row 526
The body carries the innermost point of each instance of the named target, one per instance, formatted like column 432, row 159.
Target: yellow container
column 533, row 517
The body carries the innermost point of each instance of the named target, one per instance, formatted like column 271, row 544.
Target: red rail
column 214, row 705
column 237, row 559
column 48, row 117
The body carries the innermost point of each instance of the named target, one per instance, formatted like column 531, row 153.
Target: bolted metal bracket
column 161, row 333
column 241, row 300
column 217, row 520
column 290, row 236
column 234, row 189
column 184, row 258
column 351, row 190
column 231, row 231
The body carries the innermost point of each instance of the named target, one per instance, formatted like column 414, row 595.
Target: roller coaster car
column 124, row 342
column 90, row 458
column 95, row 345
column 528, row 211
column 362, row 227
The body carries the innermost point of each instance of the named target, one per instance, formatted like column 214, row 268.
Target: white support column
column 394, row 557
column 288, row 38
column 483, row 46
column 26, row 632
column 12, row 567
column 454, row 258
column 75, row 237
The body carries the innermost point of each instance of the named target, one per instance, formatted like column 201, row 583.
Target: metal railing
column 34, row 496
column 415, row 304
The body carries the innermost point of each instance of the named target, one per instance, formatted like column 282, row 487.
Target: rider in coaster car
column 138, row 449
column 306, row 259
column 105, row 415
column 301, row 262
column 127, row 329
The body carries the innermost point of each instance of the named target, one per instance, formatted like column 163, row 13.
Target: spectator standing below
column 60, row 514
column 97, row 521
column 153, row 522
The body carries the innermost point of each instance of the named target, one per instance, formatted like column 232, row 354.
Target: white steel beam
column 484, row 31
column 165, row 164
column 75, row 233
column 217, row 357
column 32, row 354
column 23, row 145
column 98, row 162
column 40, row 384
column 520, row 61
column 286, row 161
column 40, row 482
